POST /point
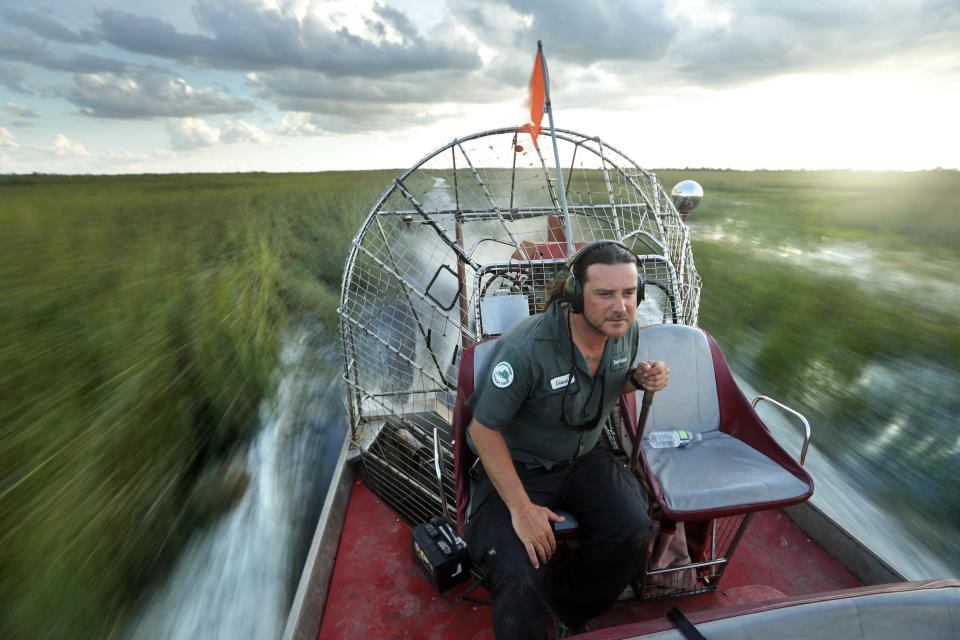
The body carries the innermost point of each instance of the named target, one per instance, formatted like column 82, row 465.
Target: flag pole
column 556, row 155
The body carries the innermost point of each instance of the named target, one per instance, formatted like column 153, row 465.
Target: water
column 852, row 504
column 885, row 410
column 236, row 578
column 671, row 439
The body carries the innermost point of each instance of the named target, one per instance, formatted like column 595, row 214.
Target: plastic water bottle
column 671, row 439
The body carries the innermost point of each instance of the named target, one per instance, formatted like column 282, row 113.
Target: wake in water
column 848, row 501
column 236, row 578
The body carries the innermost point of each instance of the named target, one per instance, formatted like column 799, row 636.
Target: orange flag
column 537, row 94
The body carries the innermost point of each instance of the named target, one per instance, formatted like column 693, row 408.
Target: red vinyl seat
column 703, row 494
column 738, row 467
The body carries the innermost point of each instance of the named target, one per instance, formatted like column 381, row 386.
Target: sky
column 112, row 86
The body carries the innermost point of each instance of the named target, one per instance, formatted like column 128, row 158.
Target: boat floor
column 378, row 592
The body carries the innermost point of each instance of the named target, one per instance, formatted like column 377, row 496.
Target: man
column 537, row 426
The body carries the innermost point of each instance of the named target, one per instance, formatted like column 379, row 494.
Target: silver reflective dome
column 686, row 196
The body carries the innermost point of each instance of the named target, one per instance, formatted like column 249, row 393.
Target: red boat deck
column 378, row 592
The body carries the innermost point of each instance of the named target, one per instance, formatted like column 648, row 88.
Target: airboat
column 459, row 247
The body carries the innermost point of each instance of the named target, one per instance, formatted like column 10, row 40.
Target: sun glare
column 866, row 121
column 884, row 120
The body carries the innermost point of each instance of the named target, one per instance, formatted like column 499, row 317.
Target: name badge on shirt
column 561, row 381
column 620, row 360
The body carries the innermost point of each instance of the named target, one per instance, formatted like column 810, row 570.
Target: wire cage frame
column 692, row 575
column 476, row 219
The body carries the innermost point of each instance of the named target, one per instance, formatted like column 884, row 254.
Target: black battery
column 440, row 553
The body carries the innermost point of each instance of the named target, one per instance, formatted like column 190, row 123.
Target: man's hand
column 532, row 525
column 653, row 375
column 531, row 522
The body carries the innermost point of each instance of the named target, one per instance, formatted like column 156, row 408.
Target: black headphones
column 573, row 288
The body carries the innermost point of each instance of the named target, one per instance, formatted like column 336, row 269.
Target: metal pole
column 556, row 154
column 641, row 424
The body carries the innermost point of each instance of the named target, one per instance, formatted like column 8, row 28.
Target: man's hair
column 607, row 253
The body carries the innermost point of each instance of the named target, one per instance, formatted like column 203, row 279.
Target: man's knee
column 629, row 526
column 630, row 531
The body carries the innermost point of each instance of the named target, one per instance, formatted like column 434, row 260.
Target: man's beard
column 599, row 329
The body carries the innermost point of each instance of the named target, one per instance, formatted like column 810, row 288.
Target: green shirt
column 520, row 396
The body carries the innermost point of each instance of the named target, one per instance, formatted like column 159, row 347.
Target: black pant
column 611, row 512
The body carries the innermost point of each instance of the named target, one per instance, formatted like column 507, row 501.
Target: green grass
column 889, row 210
column 141, row 317
column 906, row 222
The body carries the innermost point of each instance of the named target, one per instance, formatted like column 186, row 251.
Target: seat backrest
column 702, row 395
column 690, row 401
column 473, row 365
column 497, row 314
column 739, row 467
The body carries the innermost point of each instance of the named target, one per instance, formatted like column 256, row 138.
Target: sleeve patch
column 502, row 375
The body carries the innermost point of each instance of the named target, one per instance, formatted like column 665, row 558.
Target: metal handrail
column 783, row 407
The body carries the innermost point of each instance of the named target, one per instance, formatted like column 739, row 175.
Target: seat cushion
column 719, row 473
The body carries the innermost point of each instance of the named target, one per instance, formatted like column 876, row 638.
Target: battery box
column 440, row 553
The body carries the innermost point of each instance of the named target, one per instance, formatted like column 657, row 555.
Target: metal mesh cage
column 692, row 577
column 478, row 218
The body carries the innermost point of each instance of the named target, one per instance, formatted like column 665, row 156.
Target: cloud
column 194, row 133
column 148, row 93
column 20, row 110
column 87, row 63
column 149, row 35
column 348, row 66
column 350, row 105
column 29, row 50
column 247, row 35
column 335, row 116
column 692, row 42
column 47, row 27
column 60, row 152
column 365, row 118
column 299, row 124
column 327, row 121
column 240, row 131
column 7, row 139
column 588, row 31
column 63, row 147
column 424, row 88
column 13, row 78
column 761, row 39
